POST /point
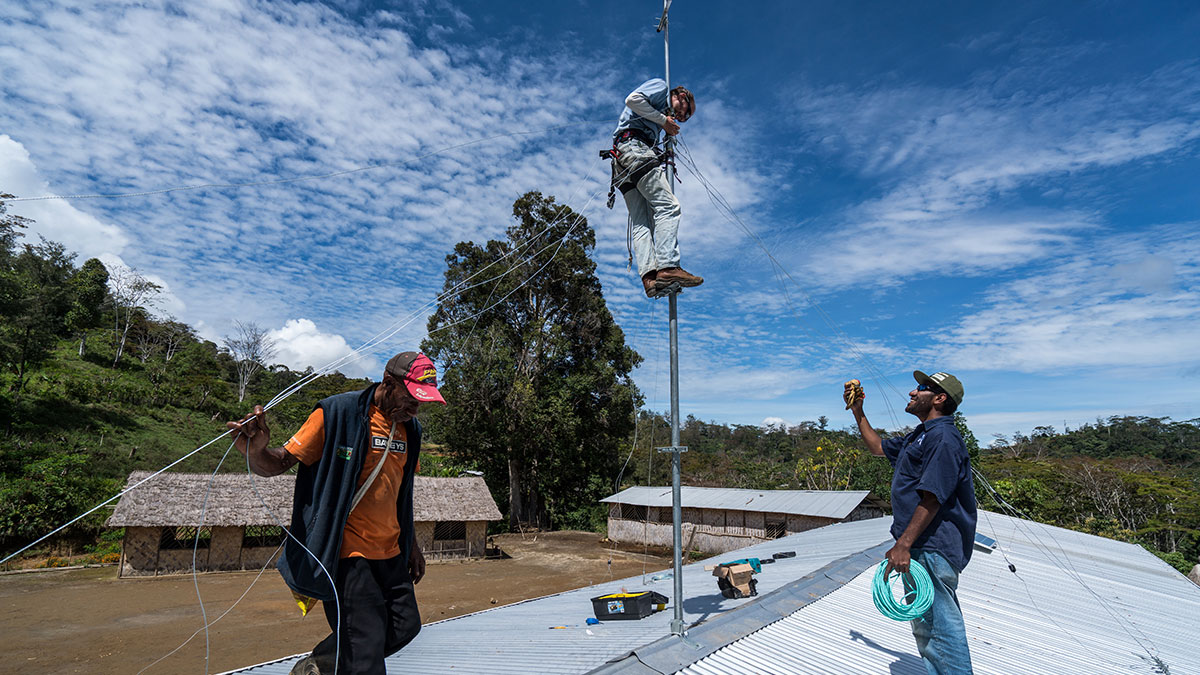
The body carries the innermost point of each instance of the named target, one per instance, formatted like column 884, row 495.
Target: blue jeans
column 653, row 211
column 941, row 634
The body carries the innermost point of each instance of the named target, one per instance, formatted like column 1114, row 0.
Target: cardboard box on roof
column 738, row 576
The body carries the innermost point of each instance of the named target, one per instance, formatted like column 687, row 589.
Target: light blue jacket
column 655, row 93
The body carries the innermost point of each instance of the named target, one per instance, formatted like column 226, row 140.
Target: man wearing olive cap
column 933, row 510
column 352, row 513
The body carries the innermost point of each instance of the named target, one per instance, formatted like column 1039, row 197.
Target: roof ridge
column 671, row 654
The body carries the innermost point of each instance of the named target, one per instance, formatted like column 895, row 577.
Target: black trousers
column 378, row 615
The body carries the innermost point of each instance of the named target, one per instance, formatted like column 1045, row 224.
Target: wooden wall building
column 451, row 516
column 716, row 520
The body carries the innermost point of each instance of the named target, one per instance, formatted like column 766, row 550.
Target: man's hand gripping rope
column 854, row 394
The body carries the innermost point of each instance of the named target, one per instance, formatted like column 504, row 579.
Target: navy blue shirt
column 934, row 458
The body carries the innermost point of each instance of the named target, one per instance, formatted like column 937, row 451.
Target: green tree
column 130, row 291
column 51, row 489
column 10, row 231
column 536, row 372
column 251, row 348
column 196, row 371
column 88, row 289
column 37, row 307
column 972, row 443
column 829, row 467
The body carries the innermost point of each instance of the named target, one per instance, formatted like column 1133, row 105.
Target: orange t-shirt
column 372, row 530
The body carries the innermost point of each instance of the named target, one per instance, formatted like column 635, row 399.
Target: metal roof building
column 835, row 504
column 814, row 614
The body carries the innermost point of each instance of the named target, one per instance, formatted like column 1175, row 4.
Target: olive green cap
column 944, row 381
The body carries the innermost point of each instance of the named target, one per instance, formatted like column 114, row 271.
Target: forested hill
column 1136, row 479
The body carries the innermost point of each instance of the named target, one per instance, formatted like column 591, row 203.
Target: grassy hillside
column 81, row 425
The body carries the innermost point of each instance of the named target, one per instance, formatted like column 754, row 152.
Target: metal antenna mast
column 672, row 294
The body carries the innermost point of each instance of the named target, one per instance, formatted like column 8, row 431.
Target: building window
column 450, row 530
column 257, row 536
column 179, row 538
column 774, row 529
column 633, row 512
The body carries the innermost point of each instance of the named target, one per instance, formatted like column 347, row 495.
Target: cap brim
column 424, row 393
column 922, row 378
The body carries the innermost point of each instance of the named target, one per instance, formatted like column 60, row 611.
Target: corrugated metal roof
column 835, row 504
column 1038, row 621
column 517, row 638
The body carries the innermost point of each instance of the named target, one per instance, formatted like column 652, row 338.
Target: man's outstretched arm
column 251, row 436
column 870, row 437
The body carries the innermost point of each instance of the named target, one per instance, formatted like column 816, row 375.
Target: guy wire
column 726, row 210
column 1019, row 521
column 261, row 570
column 196, row 547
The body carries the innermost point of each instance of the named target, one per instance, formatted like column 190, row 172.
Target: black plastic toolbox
column 616, row 606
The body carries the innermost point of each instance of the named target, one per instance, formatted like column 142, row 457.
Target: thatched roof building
column 179, row 499
column 242, row 514
column 466, row 498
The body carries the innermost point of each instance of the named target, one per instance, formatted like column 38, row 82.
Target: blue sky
column 1006, row 192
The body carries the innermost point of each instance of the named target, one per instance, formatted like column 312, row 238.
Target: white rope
column 726, row 210
column 196, row 547
column 261, row 571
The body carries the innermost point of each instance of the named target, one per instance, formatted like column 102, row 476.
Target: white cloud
column 944, row 162
column 1130, row 302
column 125, row 97
column 774, row 424
column 299, row 344
column 56, row 220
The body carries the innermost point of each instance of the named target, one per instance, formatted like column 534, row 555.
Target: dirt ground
column 89, row 621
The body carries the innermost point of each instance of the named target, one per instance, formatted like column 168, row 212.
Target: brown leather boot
column 668, row 275
column 648, row 284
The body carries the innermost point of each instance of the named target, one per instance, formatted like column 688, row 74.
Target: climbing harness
column 626, row 179
column 916, row 602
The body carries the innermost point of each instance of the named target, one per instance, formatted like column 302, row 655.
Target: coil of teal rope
column 916, row 602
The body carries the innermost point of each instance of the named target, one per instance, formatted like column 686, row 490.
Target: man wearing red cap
column 352, row 515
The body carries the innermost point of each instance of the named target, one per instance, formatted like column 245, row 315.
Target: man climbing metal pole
column 639, row 174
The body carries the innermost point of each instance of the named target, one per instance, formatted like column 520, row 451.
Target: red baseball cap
column 418, row 374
